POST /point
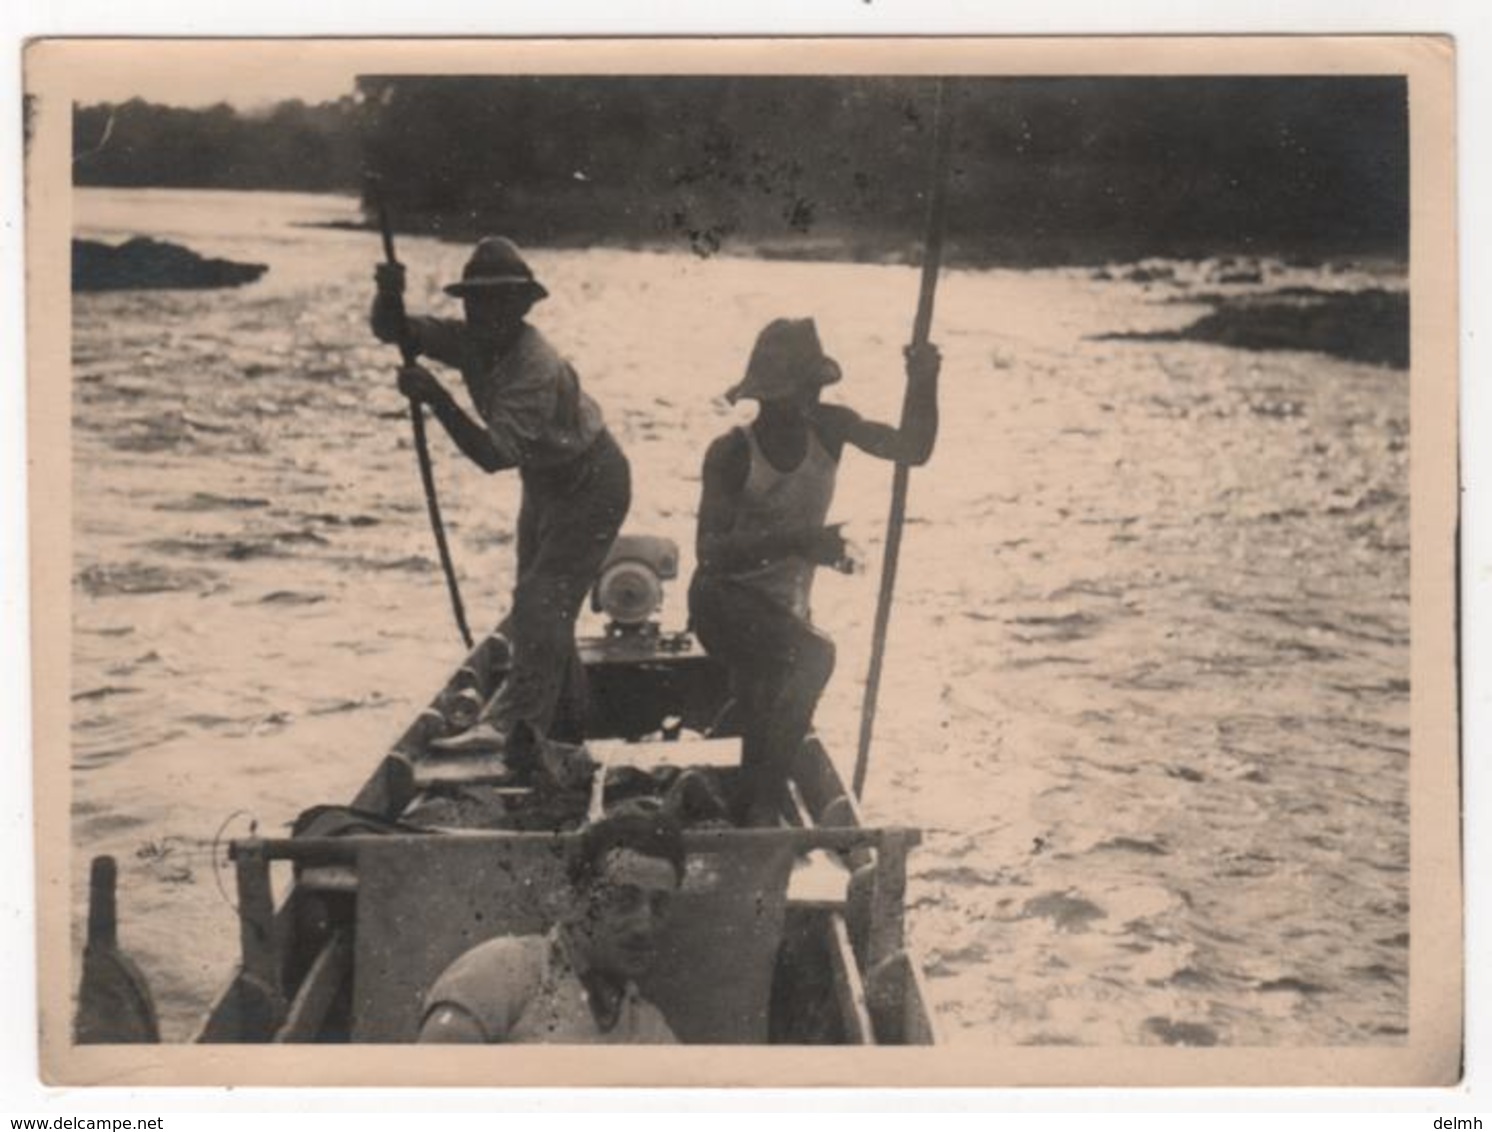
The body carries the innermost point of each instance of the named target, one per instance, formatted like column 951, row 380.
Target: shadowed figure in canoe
column 762, row 533
column 533, row 416
column 577, row 984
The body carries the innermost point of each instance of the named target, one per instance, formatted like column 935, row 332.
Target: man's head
column 788, row 364
column 624, row 876
column 497, row 286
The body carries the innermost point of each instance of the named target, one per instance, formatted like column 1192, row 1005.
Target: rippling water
column 1147, row 689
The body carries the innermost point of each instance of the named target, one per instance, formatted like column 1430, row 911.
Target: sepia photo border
column 1431, row 1054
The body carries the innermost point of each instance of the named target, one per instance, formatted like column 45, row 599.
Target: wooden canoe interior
column 753, row 954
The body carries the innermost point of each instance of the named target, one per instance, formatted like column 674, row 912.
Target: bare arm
column 718, row 549
column 482, row 995
column 912, row 443
column 451, row 1025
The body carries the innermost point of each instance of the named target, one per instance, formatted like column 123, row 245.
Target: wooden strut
column 921, row 329
column 421, row 442
column 886, row 959
column 341, row 850
column 260, row 982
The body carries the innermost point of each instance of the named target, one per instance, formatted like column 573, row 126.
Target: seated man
column 576, row 984
column 766, row 494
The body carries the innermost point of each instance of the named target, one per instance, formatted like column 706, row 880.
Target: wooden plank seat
column 328, row 878
column 718, row 753
column 820, row 879
column 430, row 769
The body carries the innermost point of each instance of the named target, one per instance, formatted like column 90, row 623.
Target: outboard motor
column 629, row 589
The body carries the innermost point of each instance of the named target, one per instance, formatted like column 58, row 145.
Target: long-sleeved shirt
column 528, row 396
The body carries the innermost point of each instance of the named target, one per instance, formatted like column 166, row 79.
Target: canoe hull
column 299, row 971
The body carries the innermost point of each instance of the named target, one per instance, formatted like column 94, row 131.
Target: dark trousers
column 779, row 666
column 567, row 522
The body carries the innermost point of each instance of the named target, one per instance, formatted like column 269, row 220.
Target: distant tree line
column 1045, row 170
column 292, row 146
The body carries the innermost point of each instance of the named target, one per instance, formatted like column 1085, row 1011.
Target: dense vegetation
column 1045, row 170
column 292, row 146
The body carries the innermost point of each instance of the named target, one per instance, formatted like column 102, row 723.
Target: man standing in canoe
column 576, row 480
column 577, row 984
column 762, row 533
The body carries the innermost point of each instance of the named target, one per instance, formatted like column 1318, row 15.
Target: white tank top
column 774, row 501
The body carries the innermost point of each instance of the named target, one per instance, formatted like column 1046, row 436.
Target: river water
column 1147, row 688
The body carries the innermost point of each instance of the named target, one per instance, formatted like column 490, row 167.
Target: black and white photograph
column 925, row 546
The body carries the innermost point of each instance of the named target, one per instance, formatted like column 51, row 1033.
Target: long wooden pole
column 921, row 328
column 421, row 443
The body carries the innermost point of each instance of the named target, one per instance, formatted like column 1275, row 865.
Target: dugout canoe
column 787, row 936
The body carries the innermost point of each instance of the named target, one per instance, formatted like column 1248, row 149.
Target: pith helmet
column 496, row 262
column 787, row 357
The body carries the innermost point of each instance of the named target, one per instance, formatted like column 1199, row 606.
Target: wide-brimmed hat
column 787, row 357
column 496, row 262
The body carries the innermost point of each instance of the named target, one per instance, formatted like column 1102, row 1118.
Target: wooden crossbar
column 339, row 850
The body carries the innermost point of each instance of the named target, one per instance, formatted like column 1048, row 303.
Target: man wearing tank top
column 763, row 532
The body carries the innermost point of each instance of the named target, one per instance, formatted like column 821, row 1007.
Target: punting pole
column 421, row 443
column 921, row 328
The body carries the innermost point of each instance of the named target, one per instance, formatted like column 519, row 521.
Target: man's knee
column 718, row 616
column 816, row 658
column 709, row 597
column 549, row 599
column 804, row 673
